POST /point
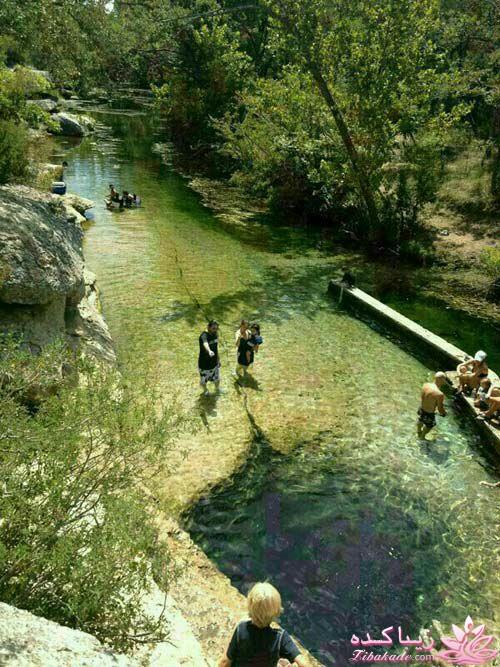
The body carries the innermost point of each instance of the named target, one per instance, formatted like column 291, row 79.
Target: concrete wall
column 423, row 343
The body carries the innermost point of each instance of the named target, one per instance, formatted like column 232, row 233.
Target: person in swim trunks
column 432, row 400
column 208, row 358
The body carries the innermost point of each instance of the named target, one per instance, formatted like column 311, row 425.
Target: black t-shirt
column 205, row 361
column 251, row 646
column 245, row 346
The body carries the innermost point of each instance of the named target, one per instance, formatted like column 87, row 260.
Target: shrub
column 13, row 147
column 76, row 542
column 490, row 258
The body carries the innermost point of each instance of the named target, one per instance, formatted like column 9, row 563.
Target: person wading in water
column 208, row 358
column 242, row 337
column 432, row 399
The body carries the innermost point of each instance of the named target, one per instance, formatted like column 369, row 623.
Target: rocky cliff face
column 45, row 292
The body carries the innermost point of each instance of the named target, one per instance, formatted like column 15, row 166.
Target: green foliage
column 467, row 186
column 323, row 113
column 208, row 72
column 490, row 259
column 76, row 543
column 13, row 147
column 284, row 148
column 16, row 87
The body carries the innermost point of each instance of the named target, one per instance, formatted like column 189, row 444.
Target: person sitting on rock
column 470, row 373
column 483, row 391
column 493, row 409
column 255, row 642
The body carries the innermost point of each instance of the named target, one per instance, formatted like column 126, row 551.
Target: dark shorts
column 426, row 418
column 210, row 375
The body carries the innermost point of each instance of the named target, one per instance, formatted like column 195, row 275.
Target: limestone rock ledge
column 45, row 292
column 31, row 641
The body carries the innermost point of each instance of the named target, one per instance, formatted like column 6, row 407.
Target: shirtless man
column 432, row 399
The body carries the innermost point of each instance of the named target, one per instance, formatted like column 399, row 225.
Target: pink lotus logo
column 469, row 646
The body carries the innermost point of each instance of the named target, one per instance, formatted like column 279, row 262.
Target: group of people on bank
column 472, row 380
column 247, row 340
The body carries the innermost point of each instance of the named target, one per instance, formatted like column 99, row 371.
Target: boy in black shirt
column 255, row 643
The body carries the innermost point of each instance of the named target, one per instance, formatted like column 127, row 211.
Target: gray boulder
column 72, row 125
column 48, row 105
column 40, row 250
column 31, row 641
column 45, row 292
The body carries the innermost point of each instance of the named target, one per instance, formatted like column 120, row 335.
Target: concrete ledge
column 432, row 345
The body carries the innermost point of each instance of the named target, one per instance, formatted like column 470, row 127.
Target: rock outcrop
column 31, row 641
column 45, row 293
column 72, row 125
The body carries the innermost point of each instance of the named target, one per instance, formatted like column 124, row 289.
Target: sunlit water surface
column 359, row 525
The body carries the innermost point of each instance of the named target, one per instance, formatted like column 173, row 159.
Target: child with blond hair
column 254, row 642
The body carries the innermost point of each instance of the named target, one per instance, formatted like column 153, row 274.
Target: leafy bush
column 490, row 258
column 13, row 147
column 76, row 543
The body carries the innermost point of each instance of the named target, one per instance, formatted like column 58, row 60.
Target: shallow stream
column 337, row 503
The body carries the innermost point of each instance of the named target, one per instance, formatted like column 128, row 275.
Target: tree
column 204, row 77
column 76, row 542
column 372, row 61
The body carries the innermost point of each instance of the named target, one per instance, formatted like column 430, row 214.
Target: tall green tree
column 373, row 63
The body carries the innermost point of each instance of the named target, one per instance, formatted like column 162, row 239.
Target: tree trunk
column 359, row 171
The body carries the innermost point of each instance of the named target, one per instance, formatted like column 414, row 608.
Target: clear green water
column 358, row 524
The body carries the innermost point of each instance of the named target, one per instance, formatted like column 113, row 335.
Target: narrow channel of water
column 358, row 524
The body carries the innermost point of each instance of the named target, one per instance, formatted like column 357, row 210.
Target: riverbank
column 456, row 279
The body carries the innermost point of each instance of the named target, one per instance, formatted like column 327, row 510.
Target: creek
column 335, row 500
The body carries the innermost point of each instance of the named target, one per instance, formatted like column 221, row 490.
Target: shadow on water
column 294, row 520
column 288, row 289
